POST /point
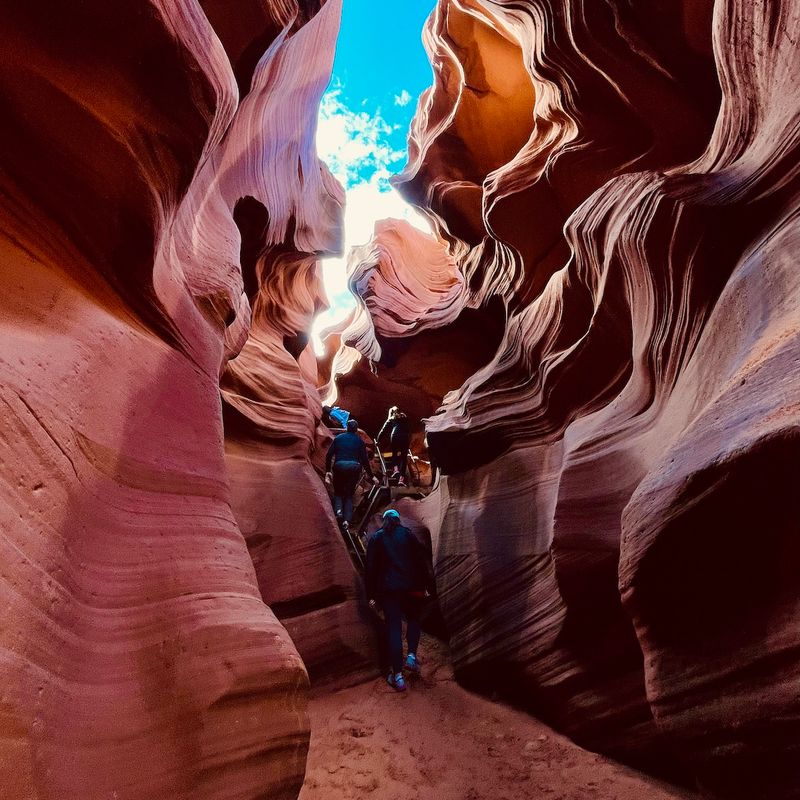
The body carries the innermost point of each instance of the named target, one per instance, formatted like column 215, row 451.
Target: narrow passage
column 439, row 742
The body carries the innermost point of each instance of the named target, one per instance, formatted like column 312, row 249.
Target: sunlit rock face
column 413, row 336
column 616, row 538
column 138, row 659
column 273, row 446
column 288, row 214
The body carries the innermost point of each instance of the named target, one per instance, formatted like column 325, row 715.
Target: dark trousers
column 345, row 480
column 400, row 455
column 397, row 605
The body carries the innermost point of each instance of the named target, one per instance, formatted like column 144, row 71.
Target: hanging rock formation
column 617, row 534
column 412, row 317
column 138, row 659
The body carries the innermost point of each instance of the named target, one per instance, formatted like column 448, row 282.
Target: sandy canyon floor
column 440, row 742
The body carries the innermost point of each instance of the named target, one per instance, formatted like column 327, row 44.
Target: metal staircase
column 374, row 499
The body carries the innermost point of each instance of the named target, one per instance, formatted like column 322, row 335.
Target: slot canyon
column 601, row 334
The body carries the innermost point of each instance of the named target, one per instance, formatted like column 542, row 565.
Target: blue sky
column 381, row 67
column 379, row 72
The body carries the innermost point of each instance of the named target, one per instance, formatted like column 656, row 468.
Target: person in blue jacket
column 335, row 417
column 346, row 457
column 398, row 578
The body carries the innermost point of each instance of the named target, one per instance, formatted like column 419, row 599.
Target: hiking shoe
column 412, row 665
column 397, row 682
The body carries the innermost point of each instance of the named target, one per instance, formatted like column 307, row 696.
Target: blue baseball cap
column 390, row 512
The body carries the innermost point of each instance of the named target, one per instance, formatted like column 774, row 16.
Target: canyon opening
column 400, row 400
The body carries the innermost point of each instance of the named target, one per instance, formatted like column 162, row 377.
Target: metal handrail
column 383, row 463
column 359, row 551
column 354, row 535
column 374, row 495
column 373, row 498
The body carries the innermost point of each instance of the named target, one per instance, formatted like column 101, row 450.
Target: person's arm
column 425, row 566
column 382, row 431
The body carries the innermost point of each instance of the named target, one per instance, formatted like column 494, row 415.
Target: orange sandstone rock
column 138, row 658
column 614, row 534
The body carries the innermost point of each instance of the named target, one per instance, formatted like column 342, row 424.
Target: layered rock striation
column 287, row 209
column 138, row 658
column 414, row 335
column 615, row 534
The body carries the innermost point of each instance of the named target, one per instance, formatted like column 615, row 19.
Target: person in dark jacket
column 346, row 457
column 398, row 578
column 399, row 431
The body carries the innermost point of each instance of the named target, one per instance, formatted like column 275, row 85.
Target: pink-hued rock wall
column 287, row 216
column 617, row 530
column 137, row 657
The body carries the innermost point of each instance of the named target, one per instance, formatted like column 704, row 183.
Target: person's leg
column 413, row 634
column 413, row 614
column 403, row 461
column 382, row 642
column 393, row 613
column 400, row 454
column 345, row 478
column 353, row 474
column 338, row 490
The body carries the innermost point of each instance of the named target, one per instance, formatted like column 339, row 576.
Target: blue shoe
column 412, row 665
column 397, row 682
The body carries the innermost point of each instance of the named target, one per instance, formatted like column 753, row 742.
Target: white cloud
column 355, row 146
column 402, row 99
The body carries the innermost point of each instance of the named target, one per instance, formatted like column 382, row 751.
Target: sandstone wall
column 137, row 657
column 414, row 335
column 287, row 208
column 617, row 533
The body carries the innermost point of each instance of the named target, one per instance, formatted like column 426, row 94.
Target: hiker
column 398, row 579
column 399, row 431
column 348, row 454
column 334, row 417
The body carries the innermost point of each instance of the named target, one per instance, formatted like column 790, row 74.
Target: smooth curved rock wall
column 614, row 534
column 288, row 213
column 138, row 658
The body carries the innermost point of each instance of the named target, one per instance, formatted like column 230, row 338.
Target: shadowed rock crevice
column 252, row 220
column 87, row 175
column 727, row 587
